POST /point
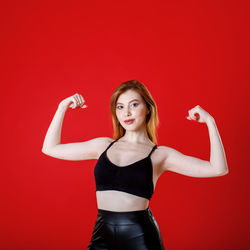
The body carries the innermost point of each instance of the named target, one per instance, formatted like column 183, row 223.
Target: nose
column 127, row 111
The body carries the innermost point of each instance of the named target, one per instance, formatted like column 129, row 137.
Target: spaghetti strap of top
column 155, row 146
column 111, row 144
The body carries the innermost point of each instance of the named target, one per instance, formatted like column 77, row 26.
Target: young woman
column 129, row 166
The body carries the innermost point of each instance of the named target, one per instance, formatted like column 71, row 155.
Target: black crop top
column 135, row 178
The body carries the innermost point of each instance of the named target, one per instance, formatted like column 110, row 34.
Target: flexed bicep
column 180, row 163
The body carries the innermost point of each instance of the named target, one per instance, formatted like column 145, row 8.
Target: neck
column 139, row 136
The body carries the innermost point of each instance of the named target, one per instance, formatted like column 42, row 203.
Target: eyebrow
column 129, row 101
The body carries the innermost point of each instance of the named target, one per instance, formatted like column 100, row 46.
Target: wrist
column 61, row 108
column 210, row 120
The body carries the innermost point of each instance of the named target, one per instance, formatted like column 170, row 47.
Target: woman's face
column 130, row 105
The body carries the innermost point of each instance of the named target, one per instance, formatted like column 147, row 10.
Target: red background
column 187, row 53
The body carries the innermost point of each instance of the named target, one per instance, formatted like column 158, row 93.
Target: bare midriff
column 113, row 200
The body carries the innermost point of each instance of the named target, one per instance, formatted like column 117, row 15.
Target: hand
column 74, row 101
column 199, row 114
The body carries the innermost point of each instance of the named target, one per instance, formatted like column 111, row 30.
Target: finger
column 193, row 115
column 77, row 100
column 197, row 116
column 74, row 102
column 190, row 114
column 82, row 100
column 84, row 106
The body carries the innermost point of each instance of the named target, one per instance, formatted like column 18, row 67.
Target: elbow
column 44, row 151
column 226, row 170
column 223, row 173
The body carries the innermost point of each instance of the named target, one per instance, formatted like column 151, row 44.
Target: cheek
column 140, row 115
column 118, row 115
column 142, row 112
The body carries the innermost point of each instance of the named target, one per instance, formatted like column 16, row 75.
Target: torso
column 120, row 201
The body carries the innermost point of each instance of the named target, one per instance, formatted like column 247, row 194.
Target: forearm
column 217, row 154
column 53, row 135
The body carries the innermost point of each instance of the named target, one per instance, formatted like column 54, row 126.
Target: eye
column 118, row 106
column 135, row 104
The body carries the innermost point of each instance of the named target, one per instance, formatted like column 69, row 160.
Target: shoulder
column 171, row 159
column 163, row 151
column 161, row 155
column 102, row 143
column 104, row 139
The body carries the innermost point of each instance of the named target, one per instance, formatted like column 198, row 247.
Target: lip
column 129, row 121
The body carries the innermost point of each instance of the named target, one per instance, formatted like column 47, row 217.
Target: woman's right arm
column 70, row 151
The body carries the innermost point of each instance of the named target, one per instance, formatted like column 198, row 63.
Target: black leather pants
column 132, row 230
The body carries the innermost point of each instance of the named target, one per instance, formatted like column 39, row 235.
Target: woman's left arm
column 191, row 166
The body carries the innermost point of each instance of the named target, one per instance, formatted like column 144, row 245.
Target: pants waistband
column 123, row 217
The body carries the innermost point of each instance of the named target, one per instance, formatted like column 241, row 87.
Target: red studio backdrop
column 187, row 53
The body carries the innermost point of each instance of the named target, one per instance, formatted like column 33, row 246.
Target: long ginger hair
column 152, row 120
